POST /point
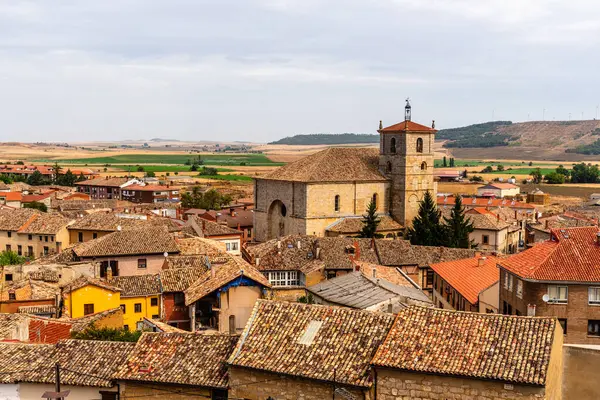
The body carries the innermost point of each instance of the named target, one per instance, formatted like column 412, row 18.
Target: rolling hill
column 326, row 138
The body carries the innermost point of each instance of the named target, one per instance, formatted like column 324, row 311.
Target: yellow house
column 85, row 296
column 140, row 298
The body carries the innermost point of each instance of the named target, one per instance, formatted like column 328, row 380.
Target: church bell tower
column 406, row 157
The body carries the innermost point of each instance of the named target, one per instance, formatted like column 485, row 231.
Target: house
column 32, row 328
column 537, row 196
column 26, row 170
column 14, row 295
column 447, row 175
column 474, row 202
column 86, row 367
column 307, row 196
column 86, row 296
column 32, row 233
column 11, row 199
column 104, row 188
column 139, row 298
column 557, row 278
column 470, row 284
column 232, row 238
column 112, row 318
column 541, row 230
column 142, row 193
column 368, row 292
column 92, row 226
column 442, row 353
column 498, row 190
column 128, row 252
column 223, row 297
column 174, row 282
column 43, row 198
column 240, row 218
column 177, row 366
column 490, row 233
column 319, row 351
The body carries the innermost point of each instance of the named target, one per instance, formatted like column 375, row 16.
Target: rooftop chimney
column 299, row 244
column 481, row 261
column 374, row 272
column 257, row 261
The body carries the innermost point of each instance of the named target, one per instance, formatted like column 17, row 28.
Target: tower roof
column 407, row 126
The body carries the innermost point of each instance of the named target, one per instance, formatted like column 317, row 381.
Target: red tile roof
column 11, row 196
column 468, row 277
column 407, row 126
column 572, row 255
column 29, row 198
column 150, row 188
column 483, row 202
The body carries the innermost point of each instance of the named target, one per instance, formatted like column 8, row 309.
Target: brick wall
column 394, row 385
column 171, row 312
column 135, row 390
column 244, row 384
column 46, row 331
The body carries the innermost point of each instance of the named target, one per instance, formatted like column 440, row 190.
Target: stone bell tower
column 406, row 157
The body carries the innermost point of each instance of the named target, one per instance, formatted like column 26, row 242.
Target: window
column 179, row 299
column 80, row 236
column 12, row 296
column 393, row 145
column 336, row 202
column 88, row 309
column 30, row 237
column 8, row 277
column 123, row 308
column 105, row 395
column 30, row 251
column 231, row 246
column 95, row 235
column 40, row 238
column 46, row 250
column 374, row 199
column 519, row 288
column 155, row 316
column 423, row 166
column 388, row 167
column 232, row 324
column 594, row 327
column 283, row 278
column 506, row 308
column 563, row 323
column 141, row 263
column 154, row 301
column 419, row 145
column 429, row 279
column 558, row 294
column 485, row 239
column 52, row 238
column 9, row 233
column 45, row 238
column 8, row 248
column 20, row 250
column 594, row 295
column 137, row 307
column 126, row 327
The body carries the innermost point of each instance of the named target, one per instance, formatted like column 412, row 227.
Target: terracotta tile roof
column 311, row 341
column 109, row 182
column 79, row 205
column 573, row 255
column 45, row 274
column 402, row 253
column 407, row 126
column 482, row 219
column 205, row 228
column 240, row 217
column 487, row 346
column 45, row 224
column 221, row 275
column 138, row 285
column 187, row 261
column 179, row 358
column 36, row 310
column 89, row 362
column 11, row 327
column 390, row 274
column 469, row 202
column 105, row 222
column 13, row 220
column 179, row 279
column 23, row 362
column 152, row 188
column 352, row 225
column 201, row 246
column 157, row 326
column 129, row 242
column 11, row 196
column 80, row 324
column 38, row 290
column 468, row 277
column 343, row 165
column 83, row 281
column 356, row 290
column 30, row 198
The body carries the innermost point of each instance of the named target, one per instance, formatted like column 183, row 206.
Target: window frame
column 558, row 300
column 336, row 203
column 485, row 239
column 596, row 302
column 420, row 145
column 153, row 301
column 597, row 330
column 519, row 288
column 288, row 278
column 123, row 308
column 142, row 263
column 86, row 308
column 136, row 307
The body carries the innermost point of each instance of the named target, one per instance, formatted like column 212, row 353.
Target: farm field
column 208, row 159
column 161, row 168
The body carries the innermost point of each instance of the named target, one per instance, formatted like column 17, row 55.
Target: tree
column 140, row 168
column 426, row 228
column 56, row 169
column 68, row 179
column 370, row 222
column 444, row 163
column 487, row 169
column 531, row 163
column 107, row 334
column 584, row 173
column 500, row 167
column 476, row 178
column 36, row 205
column 308, row 299
column 563, row 171
column 6, row 179
column 8, row 257
column 194, row 167
column 36, row 179
column 150, row 174
column 536, row 175
column 210, row 200
column 458, row 227
column 452, row 162
column 555, row 178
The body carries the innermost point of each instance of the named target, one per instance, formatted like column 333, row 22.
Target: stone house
column 297, row 350
column 490, row 234
column 308, row 196
column 470, row 284
column 432, row 354
column 557, row 278
column 104, row 188
column 152, row 367
column 231, row 238
column 239, row 217
column 87, row 369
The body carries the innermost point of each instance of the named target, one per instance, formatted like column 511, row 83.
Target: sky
column 259, row 70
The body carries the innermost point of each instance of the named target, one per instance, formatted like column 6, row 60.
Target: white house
column 498, row 190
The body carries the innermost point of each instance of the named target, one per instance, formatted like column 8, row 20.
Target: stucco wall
column 54, row 243
column 581, row 376
column 489, row 298
column 128, row 265
column 131, row 318
column 137, row 390
column 237, row 302
column 10, row 391
column 102, row 299
column 34, row 391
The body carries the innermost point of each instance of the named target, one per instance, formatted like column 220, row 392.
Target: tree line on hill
column 67, row 178
column 588, row 149
column 326, row 138
column 476, row 135
column 581, row 173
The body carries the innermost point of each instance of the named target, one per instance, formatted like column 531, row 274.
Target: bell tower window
column 374, row 199
column 423, row 166
column 336, row 202
column 393, row 145
column 388, row 167
column 419, row 145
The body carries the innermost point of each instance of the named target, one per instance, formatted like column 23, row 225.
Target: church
column 327, row 193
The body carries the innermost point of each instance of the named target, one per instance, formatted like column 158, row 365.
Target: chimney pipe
column 109, row 274
column 299, row 244
column 374, row 272
column 481, row 261
column 257, row 261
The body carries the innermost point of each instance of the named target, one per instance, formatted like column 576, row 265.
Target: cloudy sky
column 263, row 69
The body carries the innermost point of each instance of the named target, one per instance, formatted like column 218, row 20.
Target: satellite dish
column 165, row 254
column 545, row 298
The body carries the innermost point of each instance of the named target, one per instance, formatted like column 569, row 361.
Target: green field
column 209, row 159
column 475, row 163
column 227, row 177
column 521, row 171
column 162, row 168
